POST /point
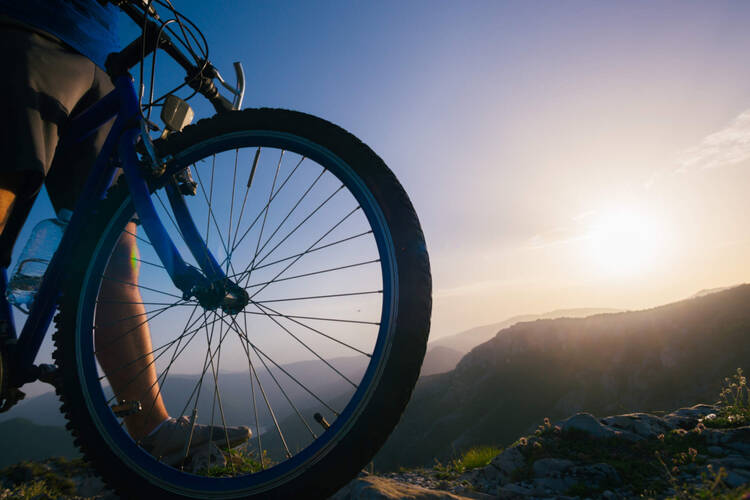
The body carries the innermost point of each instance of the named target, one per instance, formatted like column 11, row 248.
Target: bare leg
column 9, row 186
column 116, row 345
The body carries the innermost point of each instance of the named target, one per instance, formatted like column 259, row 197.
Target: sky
column 558, row 154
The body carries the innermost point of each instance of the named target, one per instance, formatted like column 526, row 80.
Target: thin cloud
column 728, row 146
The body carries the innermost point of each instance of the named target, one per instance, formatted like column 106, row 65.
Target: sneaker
column 168, row 444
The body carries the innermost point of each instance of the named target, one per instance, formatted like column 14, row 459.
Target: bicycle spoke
column 153, row 351
column 142, row 240
column 252, row 393
column 329, row 365
column 217, row 399
column 348, row 294
column 149, row 263
column 313, row 273
column 257, row 217
column 265, row 397
column 294, row 318
column 268, row 206
column 169, row 215
column 135, row 377
column 244, row 199
column 141, row 287
column 297, row 227
column 161, row 380
column 258, row 350
column 305, row 252
column 119, row 337
column 99, row 326
column 211, row 216
column 278, row 227
column 311, row 250
column 283, row 392
column 231, row 204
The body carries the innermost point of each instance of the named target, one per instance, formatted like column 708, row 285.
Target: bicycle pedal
column 126, row 408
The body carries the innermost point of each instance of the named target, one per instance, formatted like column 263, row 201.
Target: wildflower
column 660, row 437
column 557, row 429
column 710, row 416
column 537, row 445
column 523, row 441
column 680, row 432
column 547, row 422
column 693, row 453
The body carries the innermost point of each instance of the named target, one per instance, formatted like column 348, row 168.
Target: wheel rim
column 288, row 149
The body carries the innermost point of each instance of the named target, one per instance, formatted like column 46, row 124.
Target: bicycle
column 330, row 353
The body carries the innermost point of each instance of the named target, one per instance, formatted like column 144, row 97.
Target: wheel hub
column 228, row 295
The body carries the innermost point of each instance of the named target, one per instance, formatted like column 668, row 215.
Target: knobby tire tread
column 401, row 369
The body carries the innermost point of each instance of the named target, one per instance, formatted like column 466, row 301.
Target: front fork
column 211, row 287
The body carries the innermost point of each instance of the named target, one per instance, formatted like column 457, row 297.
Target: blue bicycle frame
column 121, row 104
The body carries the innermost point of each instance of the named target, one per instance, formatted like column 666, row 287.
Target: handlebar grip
column 205, row 85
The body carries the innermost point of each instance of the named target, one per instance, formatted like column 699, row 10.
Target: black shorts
column 45, row 82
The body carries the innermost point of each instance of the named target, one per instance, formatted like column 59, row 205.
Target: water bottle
column 36, row 255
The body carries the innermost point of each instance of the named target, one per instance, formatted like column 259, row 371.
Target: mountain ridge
column 647, row 360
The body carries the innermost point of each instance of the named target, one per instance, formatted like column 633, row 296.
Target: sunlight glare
column 624, row 242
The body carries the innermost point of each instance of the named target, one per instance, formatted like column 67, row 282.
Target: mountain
column 440, row 359
column 24, row 440
column 709, row 291
column 670, row 356
column 465, row 341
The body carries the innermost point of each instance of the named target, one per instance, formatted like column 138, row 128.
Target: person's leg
column 8, row 190
column 122, row 339
column 123, row 347
column 45, row 83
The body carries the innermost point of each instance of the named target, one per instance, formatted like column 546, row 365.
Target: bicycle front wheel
column 320, row 363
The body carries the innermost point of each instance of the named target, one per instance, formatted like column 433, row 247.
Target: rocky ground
column 690, row 453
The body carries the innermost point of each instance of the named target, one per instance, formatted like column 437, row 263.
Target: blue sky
column 537, row 140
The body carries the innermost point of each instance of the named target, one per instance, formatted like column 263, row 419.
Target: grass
column 734, row 403
column 239, row 462
column 38, row 481
column 478, row 456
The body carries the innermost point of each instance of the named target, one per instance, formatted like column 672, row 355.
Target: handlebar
column 153, row 37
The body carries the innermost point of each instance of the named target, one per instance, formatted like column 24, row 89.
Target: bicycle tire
column 395, row 361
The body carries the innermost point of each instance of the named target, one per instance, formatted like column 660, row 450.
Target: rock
column 89, row 486
column 499, row 471
column 643, row 425
column 587, row 423
column 687, row 418
column 379, row 488
column 737, row 478
column 516, row 490
column 554, row 485
column 596, row 474
column 731, row 462
column 717, row 451
column 551, row 466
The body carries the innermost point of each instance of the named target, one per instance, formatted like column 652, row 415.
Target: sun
column 624, row 242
